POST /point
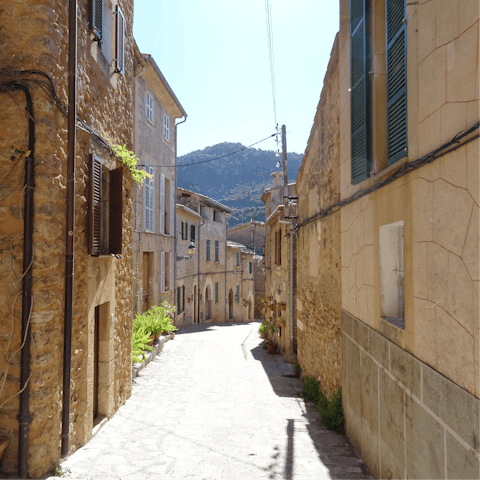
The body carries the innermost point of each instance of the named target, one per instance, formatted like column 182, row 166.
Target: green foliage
column 152, row 322
column 271, row 327
column 296, row 368
column 262, row 328
column 129, row 159
column 331, row 410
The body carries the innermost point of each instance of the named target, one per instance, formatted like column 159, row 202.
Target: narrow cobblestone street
column 215, row 405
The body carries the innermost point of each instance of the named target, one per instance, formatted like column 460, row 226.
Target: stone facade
column 319, row 288
column 187, row 267
column 35, row 40
column 280, row 284
column 252, row 235
column 155, row 145
column 395, row 363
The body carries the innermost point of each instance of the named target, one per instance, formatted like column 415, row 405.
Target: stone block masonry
column 404, row 418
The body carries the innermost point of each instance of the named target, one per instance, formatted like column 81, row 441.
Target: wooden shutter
column 208, row 250
column 396, row 32
column 238, row 293
column 192, row 232
column 172, row 208
column 216, row 292
column 96, row 18
column 170, row 266
column 216, row 250
column 359, row 94
column 183, row 226
column 95, row 206
column 116, row 211
column 178, row 300
column 162, row 271
column 120, row 42
column 186, row 230
column 183, row 298
column 162, row 203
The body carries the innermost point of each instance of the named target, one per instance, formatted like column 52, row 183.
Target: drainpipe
column 292, row 339
column 226, row 265
column 24, row 417
column 70, row 223
column 174, row 206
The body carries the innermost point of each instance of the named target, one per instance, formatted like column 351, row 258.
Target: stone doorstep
column 157, row 348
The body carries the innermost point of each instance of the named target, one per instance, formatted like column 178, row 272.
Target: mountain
column 237, row 181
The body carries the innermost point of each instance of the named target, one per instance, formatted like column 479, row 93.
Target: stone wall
column 403, row 417
column 35, row 37
column 318, row 246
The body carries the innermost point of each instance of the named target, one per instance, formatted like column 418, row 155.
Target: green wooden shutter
column 216, row 292
column 396, row 32
column 178, row 300
column 359, row 94
column 238, row 293
column 208, row 250
column 183, row 298
column 192, row 232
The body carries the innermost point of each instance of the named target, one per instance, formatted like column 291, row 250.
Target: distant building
column 156, row 108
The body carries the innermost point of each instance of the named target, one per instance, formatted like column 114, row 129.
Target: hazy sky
column 214, row 55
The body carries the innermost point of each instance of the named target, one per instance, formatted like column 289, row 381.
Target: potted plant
column 271, row 347
column 262, row 329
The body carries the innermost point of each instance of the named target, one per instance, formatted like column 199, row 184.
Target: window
column 216, row 250
column 96, row 18
column 392, row 283
column 278, row 247
column 149, row 107
column 361, row 85
column 180, row 299
column 104, row 209
column 208, row 250
column 120, row 43
column 216, row 292
column 192, row 233
column 238, row 293
column 166, row 205
column 166, row 271
column 238, row 259
column 166, row 128
column 184, row 231
column 250, row 266
column 148, row 200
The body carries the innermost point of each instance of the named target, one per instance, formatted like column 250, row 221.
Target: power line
column 268, row 14
column 211, row 159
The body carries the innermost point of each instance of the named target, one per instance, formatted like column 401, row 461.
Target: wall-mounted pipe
column 69, row 223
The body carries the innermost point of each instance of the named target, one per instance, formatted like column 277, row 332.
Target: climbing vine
column 129, row 159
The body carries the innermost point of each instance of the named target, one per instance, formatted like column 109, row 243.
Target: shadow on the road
column 210, row 327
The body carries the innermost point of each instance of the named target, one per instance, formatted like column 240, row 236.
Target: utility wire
column 211, row 159
column 268, row 14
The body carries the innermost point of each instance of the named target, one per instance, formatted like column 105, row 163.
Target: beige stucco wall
column 438, row 205
column 31, row 39
column 319, row 289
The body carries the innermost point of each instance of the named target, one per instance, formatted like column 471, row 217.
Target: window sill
column 397, row 322
column 149, row 122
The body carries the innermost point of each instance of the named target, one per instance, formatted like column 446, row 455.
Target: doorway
column 208, row 303
column 195, row 313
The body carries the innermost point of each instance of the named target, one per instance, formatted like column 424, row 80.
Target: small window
column 392, row 286
column 238, row 259
column 250, row 265
column 216, row 250
column 192, row 233
column 149, row 107
column 214, row 215
column 105, row 209
column 148, row 200
column 238, row 293
column 208, row 250
column 166, row 127
column 216, row 292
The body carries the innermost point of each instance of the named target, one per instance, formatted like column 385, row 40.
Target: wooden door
column 195, row 313
column 95, row 361
column 230, row 304
column 146, row 282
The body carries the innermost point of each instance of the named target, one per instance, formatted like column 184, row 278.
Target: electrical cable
column 211, row 159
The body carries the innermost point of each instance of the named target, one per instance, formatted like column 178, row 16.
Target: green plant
column 296, row 368
column 139, row 344
column 263, row 300
column 311, row 389
column 262, row 328
column 129, row 159
column 271, row 327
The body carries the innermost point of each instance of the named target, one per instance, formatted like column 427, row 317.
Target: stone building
column 156, row 108
column 211, row 248
column 187, row 266
column 252, row 235
column 319, row 282
column 280, row 265
column 240, row 282
column 409, row 238
column 34, row 287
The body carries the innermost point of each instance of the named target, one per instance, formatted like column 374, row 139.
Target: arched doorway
column 230, row 304
column 208, row 303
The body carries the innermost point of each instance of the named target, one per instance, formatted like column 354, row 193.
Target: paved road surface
column 215, row 405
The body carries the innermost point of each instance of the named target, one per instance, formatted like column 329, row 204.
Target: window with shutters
column 216, row 251
column 238, row 294
column 250, row 267
column 166, row 213
column 105, row 208
column 149, row 107
column 149, row 199
column 180, row 299
column 238, row 259
column 166, row 271
column 208, row 250
column 216, row 292
column 192, row 233
column 166, row 127
column 120, row 42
